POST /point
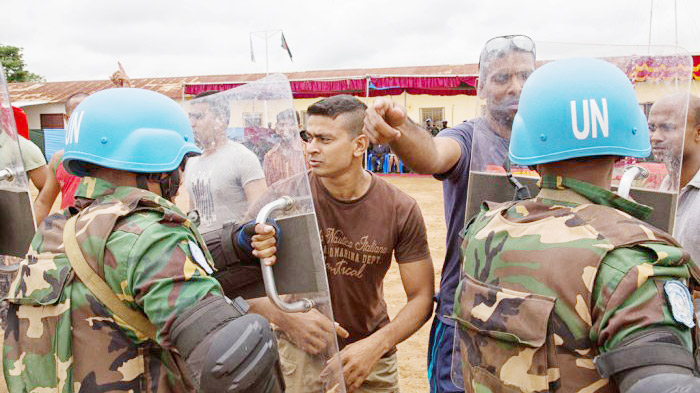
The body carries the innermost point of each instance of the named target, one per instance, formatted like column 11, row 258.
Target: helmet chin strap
column 142, row 181
column 168, row 184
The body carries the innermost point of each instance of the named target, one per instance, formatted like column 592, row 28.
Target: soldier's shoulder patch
column 680, row 302
column 199, row 257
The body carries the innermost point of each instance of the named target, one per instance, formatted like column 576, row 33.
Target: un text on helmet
column 591, row 118
column 74, row 127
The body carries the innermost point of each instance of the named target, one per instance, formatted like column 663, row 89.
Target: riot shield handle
column 631, row 173
column 301, row 305
column 7, row 174
column 521, row 192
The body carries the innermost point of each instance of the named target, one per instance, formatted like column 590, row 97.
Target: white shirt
column 215, row 184
column 687, row 225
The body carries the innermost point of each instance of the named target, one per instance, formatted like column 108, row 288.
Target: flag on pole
column 252, row 55
column 286, row 47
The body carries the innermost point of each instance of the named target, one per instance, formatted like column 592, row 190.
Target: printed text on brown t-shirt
column 352, row 256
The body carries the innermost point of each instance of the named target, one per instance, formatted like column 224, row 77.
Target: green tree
column 12, row 62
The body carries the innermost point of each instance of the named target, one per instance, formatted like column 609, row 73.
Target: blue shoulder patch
column 199, row 257
column 680, row 302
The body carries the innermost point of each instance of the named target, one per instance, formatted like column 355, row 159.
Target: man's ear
column 360, row 144
column 696, row 134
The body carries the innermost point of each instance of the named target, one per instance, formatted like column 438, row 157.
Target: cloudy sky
column 84, row 39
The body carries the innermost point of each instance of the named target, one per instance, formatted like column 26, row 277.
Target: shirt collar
column 695, row 181
column 592, row 193
column 93, row 188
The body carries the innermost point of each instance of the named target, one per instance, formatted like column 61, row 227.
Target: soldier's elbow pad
column 666, row 383
column 227, row 350
column 645, row 354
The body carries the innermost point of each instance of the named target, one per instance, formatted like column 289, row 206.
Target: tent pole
column 367, row 80
column 266, row 57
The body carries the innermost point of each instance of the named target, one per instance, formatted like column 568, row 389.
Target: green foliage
column 11, row 58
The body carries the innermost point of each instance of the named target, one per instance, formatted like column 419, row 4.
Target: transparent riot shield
column 661, row 78
column 16, row 215
column 253, row 167
column 15, row 201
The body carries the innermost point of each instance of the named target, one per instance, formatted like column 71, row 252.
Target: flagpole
column 367, row 81
column 651, row 17
column 675, row 11
column 366, row 155
column 266, row 57
column 267, row 34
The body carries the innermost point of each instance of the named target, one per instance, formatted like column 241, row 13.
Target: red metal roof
column 58, row 92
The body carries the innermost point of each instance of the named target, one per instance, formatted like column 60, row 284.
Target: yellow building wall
column 649, row 92
column 34, row 113
column 463, row 107
column 456, row 109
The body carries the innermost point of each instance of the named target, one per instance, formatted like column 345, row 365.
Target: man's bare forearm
column 41, row 210
column 410, row 318
column 416, row 148
column 264, row 307
column 46, row 198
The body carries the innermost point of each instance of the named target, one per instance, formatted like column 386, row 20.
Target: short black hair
column 340, row 105
column 220, row 107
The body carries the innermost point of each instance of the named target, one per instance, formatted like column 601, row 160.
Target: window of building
column 435, row 114
column 252, row 119
column 51, row 120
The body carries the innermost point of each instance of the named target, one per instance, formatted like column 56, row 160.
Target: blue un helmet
column 133, row 130
column 577, row 108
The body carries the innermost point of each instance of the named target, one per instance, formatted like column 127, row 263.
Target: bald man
column 680, row 150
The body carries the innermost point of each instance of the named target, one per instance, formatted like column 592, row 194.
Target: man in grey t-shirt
column 666, row 124
column 227, row 177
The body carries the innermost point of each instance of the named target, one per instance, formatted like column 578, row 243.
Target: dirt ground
column 412, row 352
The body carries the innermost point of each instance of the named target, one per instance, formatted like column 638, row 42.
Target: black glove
column 244, row 236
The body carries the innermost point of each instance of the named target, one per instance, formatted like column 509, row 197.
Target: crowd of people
column 567, row 291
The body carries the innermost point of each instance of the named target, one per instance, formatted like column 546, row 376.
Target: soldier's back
column 59, row 334
column 535, row 301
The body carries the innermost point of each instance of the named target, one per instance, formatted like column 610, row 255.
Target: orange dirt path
column 412, row 353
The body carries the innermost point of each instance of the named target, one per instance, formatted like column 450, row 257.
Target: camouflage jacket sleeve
column 164, row 273
column 628, row 295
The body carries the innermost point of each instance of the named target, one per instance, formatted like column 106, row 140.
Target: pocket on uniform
column 503, row 337
column 38, row 311
column 40, row 280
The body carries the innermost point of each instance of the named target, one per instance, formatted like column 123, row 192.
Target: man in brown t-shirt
column 363, row 221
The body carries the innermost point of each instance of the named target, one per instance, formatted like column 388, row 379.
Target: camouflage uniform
column 549, row 283
column 61, row 338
